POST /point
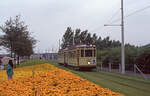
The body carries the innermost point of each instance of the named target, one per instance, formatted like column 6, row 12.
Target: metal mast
column 73, row 38
column 122, row 36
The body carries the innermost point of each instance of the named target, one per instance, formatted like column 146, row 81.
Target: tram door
column 78, row 57
column 65, row 58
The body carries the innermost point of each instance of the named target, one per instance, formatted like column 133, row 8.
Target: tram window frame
column 82, row 53
column 78, row 53
column 87, row 55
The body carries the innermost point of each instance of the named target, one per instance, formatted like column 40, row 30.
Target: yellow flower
column 50, row 81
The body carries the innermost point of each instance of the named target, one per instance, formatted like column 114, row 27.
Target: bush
column 143, row 59
column 130, row 57
column 102, row 56
column 113, row 55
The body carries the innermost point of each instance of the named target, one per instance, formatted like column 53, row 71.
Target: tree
column 77, row 36
column 130, row 56
column 94, row 39
column 83, row 37
column 143, row 59
column 112, row 56
column 88, row 39
column 17, row 38
column 107, row 43
column 98, row 43
column 116, row 44
column 67, row 38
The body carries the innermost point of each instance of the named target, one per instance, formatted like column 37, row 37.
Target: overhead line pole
column 122, row 37
column 59, row 44
column 73, row 38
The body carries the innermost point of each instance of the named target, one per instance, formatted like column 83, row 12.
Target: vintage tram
column 78, row 57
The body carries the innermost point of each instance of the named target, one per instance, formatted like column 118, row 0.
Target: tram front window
column 88, row 53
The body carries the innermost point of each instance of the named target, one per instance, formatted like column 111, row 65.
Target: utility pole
column 122, row 35
column 73, row 38
column 122, row 38
column 52, row 53
column 59, row 44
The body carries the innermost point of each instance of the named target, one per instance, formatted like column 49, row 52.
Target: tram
column 78, row 57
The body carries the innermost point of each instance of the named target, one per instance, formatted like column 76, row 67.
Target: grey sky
column 48, row 19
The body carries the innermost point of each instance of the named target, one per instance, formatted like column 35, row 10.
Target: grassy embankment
column 125, row 84
column 31, row 62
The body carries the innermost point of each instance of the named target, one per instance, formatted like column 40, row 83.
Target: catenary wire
column 133, row 13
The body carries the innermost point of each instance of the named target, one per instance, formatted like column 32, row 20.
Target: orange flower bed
column 27, row 71
column 53, row 83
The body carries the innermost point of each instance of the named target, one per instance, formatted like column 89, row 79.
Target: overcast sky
column 48, row 19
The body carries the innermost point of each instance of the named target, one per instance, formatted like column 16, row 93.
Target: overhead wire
column 114, row 15
column 111, row 18
column 102, row 26
column 137, row 11
column 133, row 13
column 99, row 28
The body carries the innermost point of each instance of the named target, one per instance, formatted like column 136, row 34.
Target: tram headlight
column 89, row 62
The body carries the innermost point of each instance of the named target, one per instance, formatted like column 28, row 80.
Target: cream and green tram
column 78, row 57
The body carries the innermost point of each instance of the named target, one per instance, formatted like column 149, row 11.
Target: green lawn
column 125, row 84
column 31, row 62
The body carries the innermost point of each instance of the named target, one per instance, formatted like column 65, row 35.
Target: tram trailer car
column 78, row 57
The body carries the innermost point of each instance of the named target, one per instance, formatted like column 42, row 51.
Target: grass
column 31, row 62
column 127, row 76
column 125, row 84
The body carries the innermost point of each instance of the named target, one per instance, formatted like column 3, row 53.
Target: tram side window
column 70, row 55
column 82, row 53
column 74, row 54
column 59, row 55
column 94, row 53
column 88, row 53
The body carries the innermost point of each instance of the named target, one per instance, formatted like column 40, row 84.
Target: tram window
column 94, row 53
column 82, row 53
column 59, row 54
column 74, row 54
column 70, row 55
column 88, row 53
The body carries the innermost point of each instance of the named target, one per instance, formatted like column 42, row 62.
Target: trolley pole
column 122, row 38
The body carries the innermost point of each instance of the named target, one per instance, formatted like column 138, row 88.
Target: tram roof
column 78, row 46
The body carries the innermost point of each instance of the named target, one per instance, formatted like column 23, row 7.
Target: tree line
column 85, row 37
column 16, row 37
column 109, row 51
